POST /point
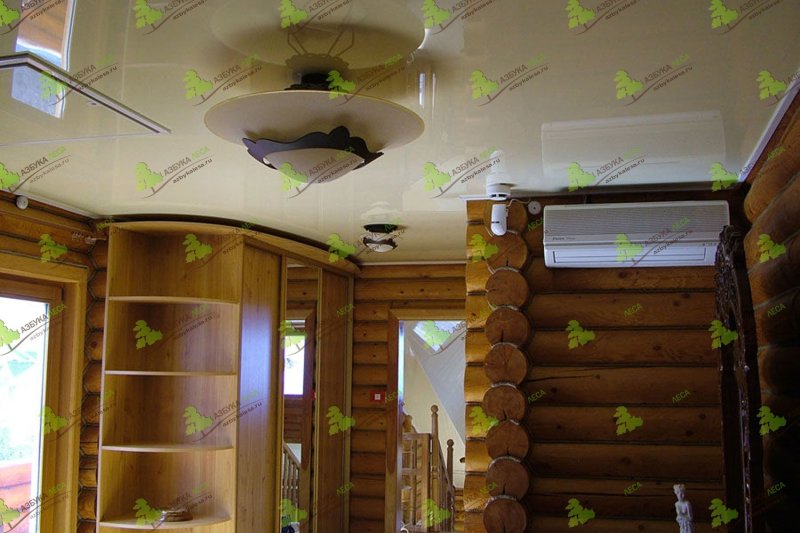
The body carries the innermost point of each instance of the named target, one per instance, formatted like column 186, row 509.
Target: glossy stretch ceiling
column 579, row 94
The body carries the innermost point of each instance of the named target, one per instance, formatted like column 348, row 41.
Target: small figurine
column 683, row 510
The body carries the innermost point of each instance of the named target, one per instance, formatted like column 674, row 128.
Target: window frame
column 30, row 278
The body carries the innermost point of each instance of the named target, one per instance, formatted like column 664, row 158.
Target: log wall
column 379, row 290
column 650, row 353
column 773, row 207
column 20, row 232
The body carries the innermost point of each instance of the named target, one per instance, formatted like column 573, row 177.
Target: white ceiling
column 711, row 112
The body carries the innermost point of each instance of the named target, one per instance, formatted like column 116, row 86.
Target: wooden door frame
column 394, row 415
column 64, row 394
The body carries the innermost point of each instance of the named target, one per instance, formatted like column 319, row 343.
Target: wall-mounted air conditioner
column 648, row 234
column 642, row 149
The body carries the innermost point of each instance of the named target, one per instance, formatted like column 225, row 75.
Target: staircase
column 459, row 522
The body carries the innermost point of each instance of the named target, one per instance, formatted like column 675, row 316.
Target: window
column 294, row 344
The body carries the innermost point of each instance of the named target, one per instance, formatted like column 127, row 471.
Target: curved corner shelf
column 131, row 523
column 154, row 447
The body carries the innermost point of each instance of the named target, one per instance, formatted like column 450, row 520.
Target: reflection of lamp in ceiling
column 314, row 136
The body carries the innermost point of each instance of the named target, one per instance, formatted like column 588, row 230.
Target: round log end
column 509, row 478
column 507, row 325
column 504, row 402
column 504, row 516
column 507, row 438
column 507, row 287
column 504, row 362
column 511, row 252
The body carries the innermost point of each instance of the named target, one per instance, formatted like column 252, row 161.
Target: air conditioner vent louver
column 634, row 234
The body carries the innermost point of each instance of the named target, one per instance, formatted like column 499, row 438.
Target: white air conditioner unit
column 633, row 150
column 650, row 234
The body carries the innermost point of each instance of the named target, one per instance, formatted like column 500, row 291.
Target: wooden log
column 508, row 477
column 775, row 276
column 621, row 347
column 477, row 460
column 369, row 312
column 627, row 386
column 33, row 222
column 99, row 255
column 476, row 346
column 504, row 402
column 507, row 325
column 370, row 464
column 503, row 515
column 476, row 210
column 370, row 375
column 778, row 320
column 779, row 221
column 411, row 272
column 769, row 184
column 512, row 252
column 32, row 249
column 370, row 353
column 96, row 314
column 366, row 526
column 662, row 425
column 366, row 508
column 505, row 363
column 778, row 368
column 97, row 285
column 543, row 280
column 370, row 332
column 85, row 526
column 92, row 377
column 361, row 396
column 685, row 463
column 87, row 474
column 89, row 439
column 303, row 290
column 507, row 438
column 475, row 383
column 90, row 409
column 403, row 289
column 473, row 522
column 507, row 287
column 367, row 487
column 367, row 441
column 477, row 274
column 476, row 492
column 682, row 309
column 620, row 498
column 94, row 345
column 517, row 219
column 370, row 419
column 86, row 504
column 478, row 310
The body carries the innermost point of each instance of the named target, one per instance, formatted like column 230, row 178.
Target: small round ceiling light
column 379, row 237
